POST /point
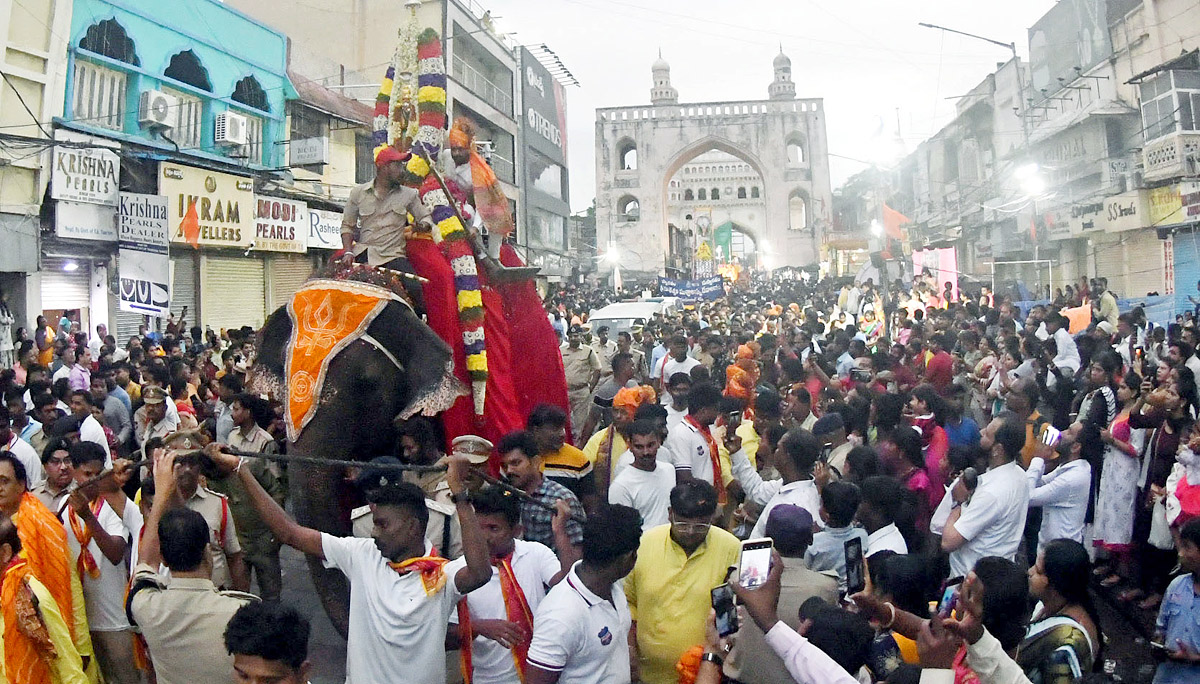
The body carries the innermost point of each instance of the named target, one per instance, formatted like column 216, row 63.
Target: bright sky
column 866, row 58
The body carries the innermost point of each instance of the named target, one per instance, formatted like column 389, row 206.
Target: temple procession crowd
column 991, row 463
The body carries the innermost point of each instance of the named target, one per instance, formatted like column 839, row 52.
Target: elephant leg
column 315, row 494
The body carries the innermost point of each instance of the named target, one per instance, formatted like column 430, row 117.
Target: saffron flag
column 190, row 226
column 892, row 220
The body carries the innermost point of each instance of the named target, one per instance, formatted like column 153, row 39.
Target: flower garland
column 449, row 231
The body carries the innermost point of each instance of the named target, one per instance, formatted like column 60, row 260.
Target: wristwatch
column 710, row 657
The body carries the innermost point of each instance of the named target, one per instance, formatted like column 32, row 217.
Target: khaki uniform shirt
column 55, row 502
column 259, row 440
column 184, row 625
column 579, row 365
column 378, row 223
column 218, row 516
column 39, row 440
column 253, row 534
column 605, row 352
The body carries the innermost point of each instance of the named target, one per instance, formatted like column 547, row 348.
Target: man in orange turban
column 605, row 447
column 474, row 176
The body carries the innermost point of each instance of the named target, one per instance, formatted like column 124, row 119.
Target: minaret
column 661, row 93
column 782, row 88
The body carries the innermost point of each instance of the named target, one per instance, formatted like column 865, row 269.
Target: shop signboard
column 84, row 221
column 1126, row 211
column 324, row 229
column 144, row 267
column 85, row 174
column 225, row 207
column 280, row 225
column 1165, row 206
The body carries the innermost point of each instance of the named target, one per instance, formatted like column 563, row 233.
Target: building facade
column 640, row 149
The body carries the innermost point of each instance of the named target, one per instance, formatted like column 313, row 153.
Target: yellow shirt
column 67, row 667
column 134, row 391
column 668, row 593
column 750, row 442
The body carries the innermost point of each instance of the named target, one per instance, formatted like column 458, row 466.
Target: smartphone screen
column 754, row 563
column 723, row 606
column 949, row 600
column 856, row 576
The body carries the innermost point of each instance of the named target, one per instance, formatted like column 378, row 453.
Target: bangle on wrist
column 712, row 657
column 238, row 467
column 892, row 619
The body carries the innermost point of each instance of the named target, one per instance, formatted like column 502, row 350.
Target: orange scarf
column 27, row 644
column 44, row 544
column 516, row 608
column 432, row 569
column 86, row 563
column 714, row 456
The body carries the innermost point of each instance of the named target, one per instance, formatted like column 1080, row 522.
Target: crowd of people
column 985, row 461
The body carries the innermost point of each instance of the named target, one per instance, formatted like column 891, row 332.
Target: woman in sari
column 1112, row 530
column 1063, row 639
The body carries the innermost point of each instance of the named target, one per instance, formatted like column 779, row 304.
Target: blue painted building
column 190, row 98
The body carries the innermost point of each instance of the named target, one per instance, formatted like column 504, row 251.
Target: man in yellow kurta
column 37, row 643
column 668, row 590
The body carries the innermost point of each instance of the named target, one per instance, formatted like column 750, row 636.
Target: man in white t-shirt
column 34, row 473
column 581, row 628
column 678, row 387
column 501, row 611
column 690, row 445
column 401, row 597
column 98, row 539
column 990, row 520
column 676, row 361
column 90, row 429
column 645, row 485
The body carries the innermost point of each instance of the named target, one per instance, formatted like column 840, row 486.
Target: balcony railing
column 479, row 84
column 503, row 167
column 1175, row 155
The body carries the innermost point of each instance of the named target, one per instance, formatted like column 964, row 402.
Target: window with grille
column 189, row 123
column 99, row 95
column 253, row 149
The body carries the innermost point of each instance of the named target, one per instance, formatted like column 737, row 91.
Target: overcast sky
column 866, row 58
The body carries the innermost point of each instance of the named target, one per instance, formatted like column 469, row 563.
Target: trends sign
column 545, row 116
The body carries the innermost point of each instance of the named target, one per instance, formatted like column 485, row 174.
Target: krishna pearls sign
column 224, row 204
column 85, row 174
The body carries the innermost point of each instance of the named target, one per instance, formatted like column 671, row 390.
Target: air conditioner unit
column 158, row 110
column 230, row 129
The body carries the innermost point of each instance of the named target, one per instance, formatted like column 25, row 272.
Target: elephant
column 364, row 393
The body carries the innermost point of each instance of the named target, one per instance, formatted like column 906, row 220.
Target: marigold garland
column 449, row 231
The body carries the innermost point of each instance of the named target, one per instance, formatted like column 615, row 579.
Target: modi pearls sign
column 225, row 206
column 280, row 225
column 85, row 174
column 144, row 267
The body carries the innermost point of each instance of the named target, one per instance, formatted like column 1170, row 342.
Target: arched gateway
column 640, row 149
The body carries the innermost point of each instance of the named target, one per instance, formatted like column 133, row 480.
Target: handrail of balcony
column 479, row 84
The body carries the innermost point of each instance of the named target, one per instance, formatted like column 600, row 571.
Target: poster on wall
column 280, row 225
column 144, row 267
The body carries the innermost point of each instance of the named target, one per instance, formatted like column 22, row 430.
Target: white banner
column 144, row 265
column 280, row 225
column 85, row 174
column 80, row 221
column 324, row 229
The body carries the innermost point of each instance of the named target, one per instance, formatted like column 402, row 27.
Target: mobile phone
column 856, row 575
column 860, row 375
column 1139, row 353
column 950, row 592
column 754, row 563
column 826, row 450
column 723, row 606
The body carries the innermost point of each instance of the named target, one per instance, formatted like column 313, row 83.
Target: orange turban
column 628, row 399
column 739, row 384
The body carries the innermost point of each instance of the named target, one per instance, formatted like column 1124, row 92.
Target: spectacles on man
column 691, row 528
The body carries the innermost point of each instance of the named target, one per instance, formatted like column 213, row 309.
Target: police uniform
column 184, row 622
column 222, row 531
column 260, row 547
column 55, row 502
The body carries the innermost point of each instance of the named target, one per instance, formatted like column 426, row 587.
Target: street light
column 1030, row 180
column 1012, row 46
column 876, row 228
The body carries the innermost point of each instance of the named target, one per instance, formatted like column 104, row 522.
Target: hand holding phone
column 754, row 563
column 725, row 609
column 951, row 590
column 856, row 574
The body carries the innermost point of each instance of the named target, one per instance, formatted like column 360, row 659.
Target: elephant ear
column 428, row 361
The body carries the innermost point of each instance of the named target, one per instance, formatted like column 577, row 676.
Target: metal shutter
column 62, row 289
column 288, row 273
column 1144, row 263
column 1110, row 262
column 1187, row 268
column 232, row 292
column 183, row 284
column 127, row 323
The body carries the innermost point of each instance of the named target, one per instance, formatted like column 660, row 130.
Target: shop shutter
column 127, row 323
column 1187, row 268
column 232, row 292
column 288, row 273
column 62, row 289
column 183, row 285
column 1110, row 262
column 1143, row 263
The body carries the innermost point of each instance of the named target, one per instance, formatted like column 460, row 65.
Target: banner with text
column 225, row 204
column 693, row 290
column 144, row 267
column 324, row 229
column 280, row 225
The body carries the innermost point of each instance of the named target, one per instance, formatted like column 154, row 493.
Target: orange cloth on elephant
column 27, row 644
column 628, row 399
column 44, row 545
column 326, row 316
column 490, row 200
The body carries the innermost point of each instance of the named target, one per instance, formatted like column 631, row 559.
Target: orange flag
column 190, row 226
column 892, row 220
